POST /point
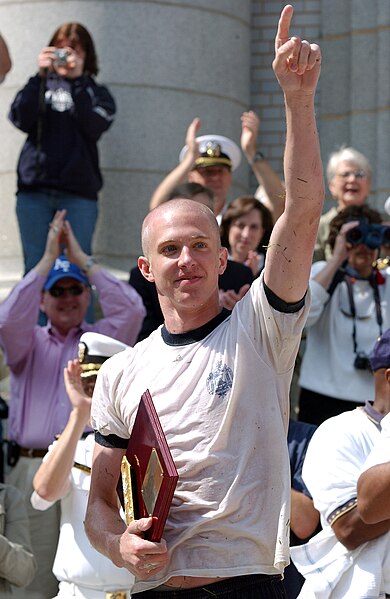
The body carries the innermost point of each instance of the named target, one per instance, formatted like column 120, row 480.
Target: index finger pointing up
column 283, row 33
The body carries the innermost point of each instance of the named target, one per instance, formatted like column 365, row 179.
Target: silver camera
column 61, row 57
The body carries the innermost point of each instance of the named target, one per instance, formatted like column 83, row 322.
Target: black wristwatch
column 258, row 156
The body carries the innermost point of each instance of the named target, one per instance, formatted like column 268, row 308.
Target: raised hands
column 255, row 262
column 229, row 298
column 297, row 63
column 55, row 236
column 71, row 65
column 61, row 240
column 250, row 124
column 192, row 145
column 75, row 390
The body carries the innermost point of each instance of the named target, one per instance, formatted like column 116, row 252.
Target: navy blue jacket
column 62, row 133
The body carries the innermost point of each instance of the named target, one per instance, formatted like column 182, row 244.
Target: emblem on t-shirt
column 220, row 381
column 60, row 99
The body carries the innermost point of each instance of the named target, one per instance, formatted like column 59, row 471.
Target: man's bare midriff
column 190, row 582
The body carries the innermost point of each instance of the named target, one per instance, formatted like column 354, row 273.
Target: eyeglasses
column 58, row 291
column 357, row 174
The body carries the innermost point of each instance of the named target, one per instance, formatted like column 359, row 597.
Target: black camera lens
column 373, row 238
column 356, row 235
column 386, row 235
column 61, row 57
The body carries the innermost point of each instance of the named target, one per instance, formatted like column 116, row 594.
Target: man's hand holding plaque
column 149, row 475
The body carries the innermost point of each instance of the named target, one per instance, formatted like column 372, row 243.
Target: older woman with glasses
column 349, row 311
column 349, row 181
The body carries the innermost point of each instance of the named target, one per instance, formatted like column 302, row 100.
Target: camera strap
column 41, row 114
column 378, row 309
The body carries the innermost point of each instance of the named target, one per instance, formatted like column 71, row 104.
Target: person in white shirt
column 220, row 382
column 374, row 482
column 65, row 475
column 349, row 558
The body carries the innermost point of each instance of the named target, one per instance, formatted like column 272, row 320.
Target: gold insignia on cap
column 82, row 350
column 382, row 263
column 213, row 149
column 89, row 370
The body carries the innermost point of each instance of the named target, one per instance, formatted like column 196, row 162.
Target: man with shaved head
column 220, row 383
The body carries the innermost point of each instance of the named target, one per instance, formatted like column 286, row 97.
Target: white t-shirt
column 334, row 459
column 76, row 560
column 331, row 470
column 223, row 402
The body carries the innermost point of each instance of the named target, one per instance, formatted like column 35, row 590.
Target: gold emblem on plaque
column 152, row 482
column 127, row 491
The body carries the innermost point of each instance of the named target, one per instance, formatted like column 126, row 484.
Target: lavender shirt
column 39, row 406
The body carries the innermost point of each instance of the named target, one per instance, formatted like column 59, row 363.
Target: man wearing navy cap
column 218, row 157
column 211, row 160
column 334, row 460
column 60, row 286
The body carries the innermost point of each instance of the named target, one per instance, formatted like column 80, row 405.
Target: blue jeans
column 35, row 211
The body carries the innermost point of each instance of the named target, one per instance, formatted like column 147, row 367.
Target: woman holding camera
column 349, row 311
column 64, row 112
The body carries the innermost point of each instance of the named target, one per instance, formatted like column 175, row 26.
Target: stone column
column 165, row 64
column 355, row 85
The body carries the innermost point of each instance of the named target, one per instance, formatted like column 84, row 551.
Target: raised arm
column 289, row 257
column 180, row 172
column 263, row 171
column 51, row 481
column 60, row 234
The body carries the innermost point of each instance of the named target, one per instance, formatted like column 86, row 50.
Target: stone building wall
column 353, row 100
column 167, row 61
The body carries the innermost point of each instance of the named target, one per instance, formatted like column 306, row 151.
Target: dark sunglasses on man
column 58, row 291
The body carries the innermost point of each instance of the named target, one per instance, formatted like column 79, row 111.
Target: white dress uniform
column 81, row 570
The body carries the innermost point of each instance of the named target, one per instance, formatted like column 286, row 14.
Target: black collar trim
column 196, row 334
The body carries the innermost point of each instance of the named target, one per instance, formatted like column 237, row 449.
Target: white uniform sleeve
column 332, row 465
column 380, row 453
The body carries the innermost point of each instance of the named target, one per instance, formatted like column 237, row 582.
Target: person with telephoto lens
column 64, row 112
column 350, row 310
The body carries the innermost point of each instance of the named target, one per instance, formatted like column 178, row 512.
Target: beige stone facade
column 168, row 61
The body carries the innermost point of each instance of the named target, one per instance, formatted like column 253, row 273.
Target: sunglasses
column 58, row 291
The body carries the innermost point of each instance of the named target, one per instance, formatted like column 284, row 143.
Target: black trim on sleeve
column 112, row 441
column 349, row 505
column 280, row 305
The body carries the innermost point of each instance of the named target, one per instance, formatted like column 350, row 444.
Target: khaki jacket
column 17, row 563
